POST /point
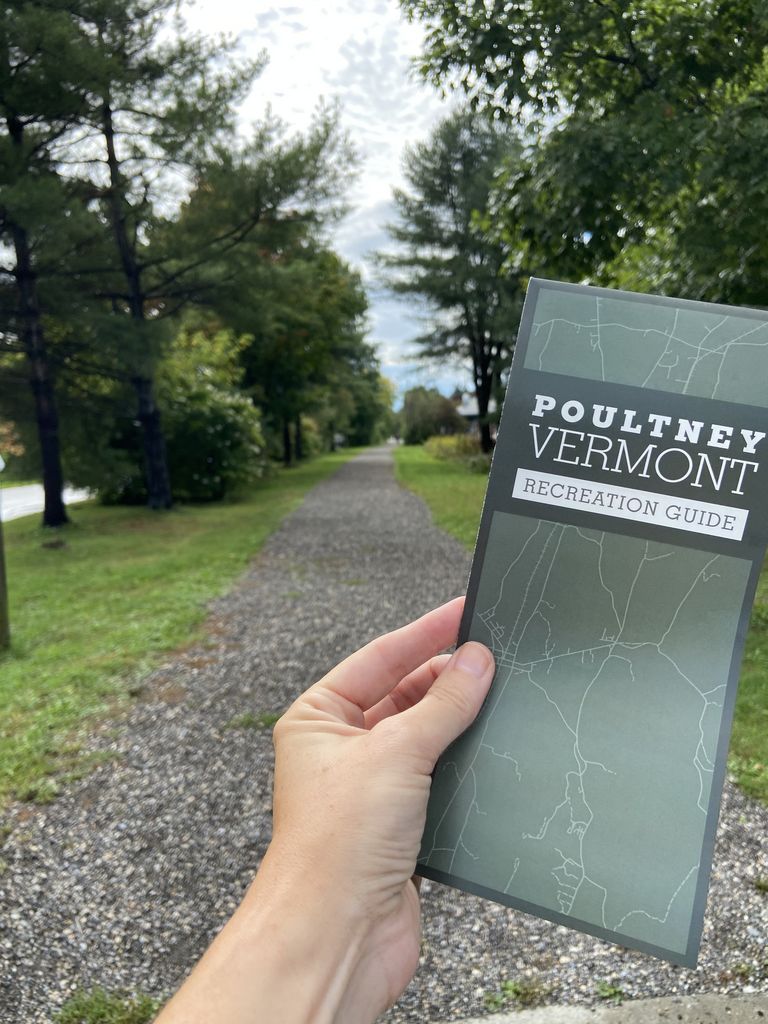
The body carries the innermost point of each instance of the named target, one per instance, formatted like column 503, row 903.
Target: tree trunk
column 287, row 452
column 54, row 510
column 156, row 475
column 299, row 440
column 5, row 622
column 486, row 441
column 158, row 479
column 483, row 386
column 155, row 460
column 33, row 341
column 46, row 416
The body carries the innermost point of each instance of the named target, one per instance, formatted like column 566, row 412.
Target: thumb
column 451, row 703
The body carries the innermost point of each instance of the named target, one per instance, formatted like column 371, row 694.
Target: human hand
column 330, row 928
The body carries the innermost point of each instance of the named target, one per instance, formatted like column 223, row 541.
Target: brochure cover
column 622, row 535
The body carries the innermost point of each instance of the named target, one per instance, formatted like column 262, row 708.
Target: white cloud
column 358, row 52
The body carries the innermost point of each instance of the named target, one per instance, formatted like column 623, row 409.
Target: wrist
column 305, row 954
column 288, row 955
column 315, row 933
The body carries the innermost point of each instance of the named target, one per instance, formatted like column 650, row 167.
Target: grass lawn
column 90, row 616
column 453, row 494
column 5, row 484
column 455, row 497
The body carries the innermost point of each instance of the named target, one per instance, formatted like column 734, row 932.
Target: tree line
column 611, row 142
column 170, row 306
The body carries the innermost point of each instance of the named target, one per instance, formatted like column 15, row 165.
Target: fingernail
column 474, row 658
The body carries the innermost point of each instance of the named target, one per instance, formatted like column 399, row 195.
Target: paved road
column 124, row 879
column 16, row 502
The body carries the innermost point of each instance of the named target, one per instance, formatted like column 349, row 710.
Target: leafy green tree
column 447, row 256
column 628, row 104
column 542, row 56
column 355, row 405
column 372, row 418
column 426, row 413
column 277, row 283
column 712, row 244
column 304, row 312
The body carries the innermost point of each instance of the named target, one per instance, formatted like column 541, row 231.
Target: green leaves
column 541, row 56
column 646, row 127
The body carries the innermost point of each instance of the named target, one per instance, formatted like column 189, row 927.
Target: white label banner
column 628, row 503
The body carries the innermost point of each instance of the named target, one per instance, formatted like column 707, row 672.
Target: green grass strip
column 454, row 495
column 95, row 604
column 101, row 1007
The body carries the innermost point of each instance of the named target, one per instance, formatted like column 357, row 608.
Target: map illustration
column 583, row 788
column 668, row 347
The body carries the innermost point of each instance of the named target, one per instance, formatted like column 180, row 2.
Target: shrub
column 453, row 446
column 213, row 440
column 462, row 448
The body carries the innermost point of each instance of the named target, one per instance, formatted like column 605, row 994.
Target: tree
column 712, row 244
column 40, row 99
column 622, row 98
column 278, row 283
column 372, row 418
column 151, row 106
column 447, row 257
column 304, row 312
column 427, row 413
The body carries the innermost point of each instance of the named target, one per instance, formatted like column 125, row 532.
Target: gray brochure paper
column 621, row 539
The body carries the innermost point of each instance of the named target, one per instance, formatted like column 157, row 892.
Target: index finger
column 368, row 675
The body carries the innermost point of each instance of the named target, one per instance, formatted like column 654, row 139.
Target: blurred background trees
column 643, row 122
column 629, row 141
column 426, row 413
column 617, row 142
column 171, row 310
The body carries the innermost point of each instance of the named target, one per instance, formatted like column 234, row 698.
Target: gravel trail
column 124, row 879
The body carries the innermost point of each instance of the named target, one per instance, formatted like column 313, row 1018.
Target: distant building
column 466, row 406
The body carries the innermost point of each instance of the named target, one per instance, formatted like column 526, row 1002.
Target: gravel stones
column 124, row 879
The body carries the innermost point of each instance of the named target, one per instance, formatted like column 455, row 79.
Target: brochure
column 622, row 535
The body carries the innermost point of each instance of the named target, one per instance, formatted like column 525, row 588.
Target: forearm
column 287, row 956
column 329, row 931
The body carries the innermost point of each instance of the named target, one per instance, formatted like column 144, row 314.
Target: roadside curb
column 703, row 1009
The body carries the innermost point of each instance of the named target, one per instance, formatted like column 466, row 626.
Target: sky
column 356, row 52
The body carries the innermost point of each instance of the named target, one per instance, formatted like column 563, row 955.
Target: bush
column 463, row 448
column 212, row 430
column 213, row 440
column 455, row 446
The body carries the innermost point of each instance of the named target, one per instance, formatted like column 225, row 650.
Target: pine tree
column 446, row 255
column 41, row 98
column 155, row 112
